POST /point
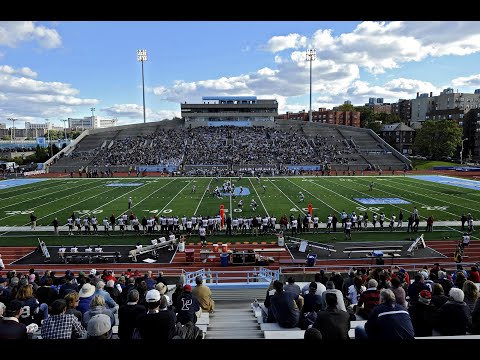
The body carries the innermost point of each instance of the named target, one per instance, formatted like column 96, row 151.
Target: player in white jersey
column 294, row 226
column 359, row 221
column 78, row 224
column 94, row 223
column 264, row 189
column 194, row 188
column 315, row 223
column 188, row 226
column 150, row 223
column 253, row 205
column 125, row 219
column 203, row 236
column 70, row 225
column 392, row 222
column 353, row 220
column 329, row 222
column 265, row 225
column 273, row 222
column 382, row 219
column 301, row 197
column 121, row 224
column 465, row 240
column 86, row 226
column 106, row 226
column 348, row 230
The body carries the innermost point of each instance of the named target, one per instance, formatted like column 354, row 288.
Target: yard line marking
column 96, row 195
column 258, row 197
column 198, row 206
column 448, row 202
column 313, row 195
column 46, row 194
column 427, row 185
column 15, row 189
column 175, row 196
column 146, row 197
column 407, row 210
column 299, row 208
column 412, row 201
column 58, row 200
column 99, row 207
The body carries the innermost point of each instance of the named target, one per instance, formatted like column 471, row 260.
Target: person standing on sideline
column 2, row 265
column 129, row 203
column 33, row 221
column 55, row 226
column 400, row 220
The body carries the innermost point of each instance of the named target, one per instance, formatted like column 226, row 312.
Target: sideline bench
column 65, row 256
column 161, row 243
column 292, row 261
column 369, row 249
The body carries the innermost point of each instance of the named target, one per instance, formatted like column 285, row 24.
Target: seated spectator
column 369, row 299
column 333, row 323
column 332, row 290
column 73, row 299
column 387, row 321
column 291, row 286
column 312, row 334
column 422, row 314
column 453, row 317
column 438, row 296
column 204, row 295
column 10, row 327
column 127, row 315
column 99, row 327
column 60, row 325
column 187, row 306
column 285, row 306
column 159, row 322
column 98, row 306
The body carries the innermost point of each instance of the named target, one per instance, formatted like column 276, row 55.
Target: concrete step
column 221, row 334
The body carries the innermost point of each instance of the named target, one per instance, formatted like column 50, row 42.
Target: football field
column 444, row 198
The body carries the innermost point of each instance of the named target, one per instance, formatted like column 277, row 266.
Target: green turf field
column 173, row 196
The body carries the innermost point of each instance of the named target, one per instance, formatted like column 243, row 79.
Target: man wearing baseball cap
column 159, row 322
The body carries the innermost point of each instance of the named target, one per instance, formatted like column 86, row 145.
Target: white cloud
column 379, row 46
column 128, row 112
column 28, row 72
column 12, row 33
column 25, row 98
column 267, row 72
column 290, row 41
column 6, row 69
column 467, row 81
column 278, row 59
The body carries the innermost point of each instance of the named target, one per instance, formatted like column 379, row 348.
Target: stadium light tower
column 92, row 109
column 311, row 55
column 48, row 136
column 65, row 128
column 142, row 56
column 13, row 128
column 461, row 152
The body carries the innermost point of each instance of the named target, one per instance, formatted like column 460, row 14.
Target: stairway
column 233, row 320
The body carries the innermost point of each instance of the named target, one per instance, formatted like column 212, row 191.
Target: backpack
column 188, row 331
column 307, row 319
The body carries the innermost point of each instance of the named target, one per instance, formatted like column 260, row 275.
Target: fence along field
column 274, row 196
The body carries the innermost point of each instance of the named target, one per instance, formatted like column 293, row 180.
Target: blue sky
column 56, row 70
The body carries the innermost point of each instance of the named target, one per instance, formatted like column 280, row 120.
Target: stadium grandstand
column 237, row 146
